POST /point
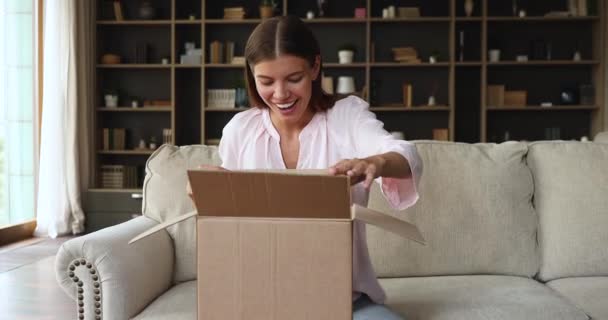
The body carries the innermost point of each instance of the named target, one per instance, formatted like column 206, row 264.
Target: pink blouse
column 348, row 130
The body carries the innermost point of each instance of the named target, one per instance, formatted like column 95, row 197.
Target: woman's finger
column 359, row 168
column 340, row 168
column 370, row 174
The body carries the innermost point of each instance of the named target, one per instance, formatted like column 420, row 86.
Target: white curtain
column 65, row 138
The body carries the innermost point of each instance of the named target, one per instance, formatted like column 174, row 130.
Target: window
column 18, row 124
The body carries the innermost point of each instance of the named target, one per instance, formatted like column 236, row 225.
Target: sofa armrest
column 111, row 279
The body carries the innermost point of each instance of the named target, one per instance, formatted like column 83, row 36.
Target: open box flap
column 387, row 222
column 164, row 225
column 262, row 194
column 259, row 194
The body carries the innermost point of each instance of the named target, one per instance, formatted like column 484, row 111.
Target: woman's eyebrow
column 288, row 76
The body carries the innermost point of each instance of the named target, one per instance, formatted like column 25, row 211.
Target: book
column 118, row 11
column 229, row 52
column 216, row 49
column 407, row 95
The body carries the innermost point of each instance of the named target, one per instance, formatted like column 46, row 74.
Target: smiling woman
column 17, row 111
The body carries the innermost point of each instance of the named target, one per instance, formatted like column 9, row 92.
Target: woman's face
column 285, row 85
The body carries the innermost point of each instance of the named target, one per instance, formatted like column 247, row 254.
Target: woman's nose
column 281, row 92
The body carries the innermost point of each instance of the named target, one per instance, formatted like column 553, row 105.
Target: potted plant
column 434, row 57
column 346, row 53
column 267, row 9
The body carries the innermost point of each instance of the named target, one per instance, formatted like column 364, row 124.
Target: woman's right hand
column 206, row 167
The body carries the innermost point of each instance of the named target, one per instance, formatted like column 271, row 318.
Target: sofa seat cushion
column 588, row 293
column 178, row 303
column 477, row 297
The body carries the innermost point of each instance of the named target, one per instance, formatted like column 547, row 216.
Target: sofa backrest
column 571, row 199
column 165, row 197
column 601, row 137
column 475, row 211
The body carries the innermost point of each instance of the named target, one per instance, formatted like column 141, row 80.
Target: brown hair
column 284, row 35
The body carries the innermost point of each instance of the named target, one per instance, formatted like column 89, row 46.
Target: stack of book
column 118, row 176
column 234, row 13
column 221, row 98
column 406, row 55
column 114, row 139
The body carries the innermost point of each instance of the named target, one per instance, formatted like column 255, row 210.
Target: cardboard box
column 277, row 245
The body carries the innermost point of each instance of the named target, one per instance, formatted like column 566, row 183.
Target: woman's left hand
column 365, row 170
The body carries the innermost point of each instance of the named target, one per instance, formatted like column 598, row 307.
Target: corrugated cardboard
column 276, row 245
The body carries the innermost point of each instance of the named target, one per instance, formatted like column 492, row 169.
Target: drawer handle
column 136, row 196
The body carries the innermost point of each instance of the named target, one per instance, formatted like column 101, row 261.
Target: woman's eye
column 266, row 83
column 295, row 80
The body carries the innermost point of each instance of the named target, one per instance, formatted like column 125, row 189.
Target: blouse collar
column 308, row 130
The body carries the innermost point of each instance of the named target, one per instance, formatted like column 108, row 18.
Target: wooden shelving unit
column 459, row 86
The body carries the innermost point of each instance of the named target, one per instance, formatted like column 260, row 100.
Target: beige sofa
column 514, row 231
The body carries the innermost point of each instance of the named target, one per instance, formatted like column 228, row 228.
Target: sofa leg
column 88, row 289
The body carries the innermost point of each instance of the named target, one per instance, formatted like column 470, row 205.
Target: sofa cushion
column 178, row 303
column 475, row 211
column 165, row 197
column 589, row 294
column 477, row 297
column 571, row 199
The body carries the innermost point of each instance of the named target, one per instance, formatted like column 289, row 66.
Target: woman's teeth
column 285, row 105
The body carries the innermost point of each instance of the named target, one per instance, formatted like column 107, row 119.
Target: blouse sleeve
column 370, row 139
column 228, row 148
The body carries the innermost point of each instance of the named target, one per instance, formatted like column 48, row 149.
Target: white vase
column 345, row 56
column 468, row 7
column 346, row 85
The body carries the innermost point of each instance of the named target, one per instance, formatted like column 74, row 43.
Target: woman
column 295, row 125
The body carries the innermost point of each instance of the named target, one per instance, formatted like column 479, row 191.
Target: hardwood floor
column 28, row 289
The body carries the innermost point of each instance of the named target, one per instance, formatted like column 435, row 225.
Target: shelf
column 226, row 109
column 335, row 20
column 401, row 108
column 126, row 152
column 469, row 19
column 187, row 66
column 115, row 190
column 233, row 21
column 224, row 65
column 545, row 63
column 547, row 19
column 539, row 108
column 188, row 21
column 212, row 142
column 134, row 22
column 419, row 19
column 344, row 65
column 131, row 109
column 401, row 65
column 468, row 64
column 135, row 66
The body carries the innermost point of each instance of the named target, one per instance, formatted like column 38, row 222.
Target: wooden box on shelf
column 441, row 134
column 516, row 98
column 496, row 96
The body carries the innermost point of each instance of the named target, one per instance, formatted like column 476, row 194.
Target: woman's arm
column 389, row 165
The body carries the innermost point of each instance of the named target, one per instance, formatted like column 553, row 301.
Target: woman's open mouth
column 286, row 108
